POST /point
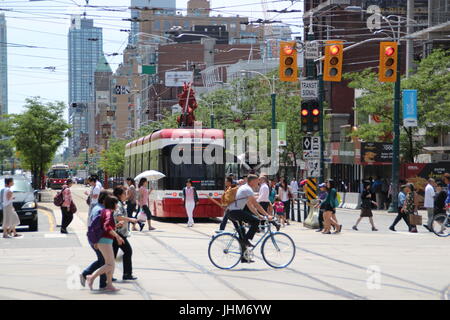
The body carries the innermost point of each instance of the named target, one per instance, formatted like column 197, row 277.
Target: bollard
column 299, row 213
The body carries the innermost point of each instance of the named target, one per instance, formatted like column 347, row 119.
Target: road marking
column 55, row 235
column 51, row 219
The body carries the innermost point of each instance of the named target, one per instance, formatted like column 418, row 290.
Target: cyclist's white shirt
column 242, row 195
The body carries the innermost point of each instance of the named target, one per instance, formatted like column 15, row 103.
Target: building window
column 167, row 25
column 157, row 25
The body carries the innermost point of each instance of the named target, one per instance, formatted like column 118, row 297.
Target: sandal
column 90, row 282
column 113, row 289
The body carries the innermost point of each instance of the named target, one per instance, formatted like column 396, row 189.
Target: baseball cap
column 322, row 185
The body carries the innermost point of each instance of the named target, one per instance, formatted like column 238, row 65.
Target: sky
column 42, row 26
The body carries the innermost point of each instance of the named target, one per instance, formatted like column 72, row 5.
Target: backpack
column 95, row 230
column 229, row 196
column 58, row 200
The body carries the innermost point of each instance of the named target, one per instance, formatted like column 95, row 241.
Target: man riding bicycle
column 246, row 208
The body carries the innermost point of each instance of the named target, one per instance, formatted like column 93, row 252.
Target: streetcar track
column 336, row 290
column 32, row 292
column 200, row 267
column 439, row 292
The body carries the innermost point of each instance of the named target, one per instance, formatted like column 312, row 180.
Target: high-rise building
column 166, row 7
column 85, row 50
column 3, row 67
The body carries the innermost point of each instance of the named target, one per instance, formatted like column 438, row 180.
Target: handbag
column 415, row 219
column 141, row 216
column 73, row 208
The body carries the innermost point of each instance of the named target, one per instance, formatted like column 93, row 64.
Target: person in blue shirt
column 400, row 212
column 100, row 260
column 447, row 182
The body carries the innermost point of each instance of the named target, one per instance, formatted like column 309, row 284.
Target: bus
column 155, row 152
column 57, row 176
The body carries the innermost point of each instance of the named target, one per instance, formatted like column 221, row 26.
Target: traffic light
column 387, row 71
column 288, row 61
column 310, row 116
column 332, row 68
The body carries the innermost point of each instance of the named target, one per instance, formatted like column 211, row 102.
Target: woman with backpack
column 329, row 208
column 366, row 208
column 66, row 212
column 190, row 198
column 105, row 244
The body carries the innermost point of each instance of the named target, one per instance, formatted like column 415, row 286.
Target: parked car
column 24, row 203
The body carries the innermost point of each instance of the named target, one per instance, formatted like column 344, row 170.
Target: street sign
column 281, row 126
column 311, row 148
column 313, row 168
column 147, row 69
column 309, row 89
column 178, row 78
column 312, row 50
column 410, row 108
column 121, row 89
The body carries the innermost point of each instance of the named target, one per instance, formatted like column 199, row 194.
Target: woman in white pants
column 190, row 201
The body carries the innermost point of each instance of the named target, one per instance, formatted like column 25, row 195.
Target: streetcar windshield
column 203, row 176
column 59, row 174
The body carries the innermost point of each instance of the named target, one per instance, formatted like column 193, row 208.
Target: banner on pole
column 410, row 108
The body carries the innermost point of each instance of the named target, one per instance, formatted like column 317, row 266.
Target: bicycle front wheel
column 278, row 250
column 225, row 251
column 441, row 225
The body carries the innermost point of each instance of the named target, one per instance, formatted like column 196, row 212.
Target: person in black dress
column 366, row 207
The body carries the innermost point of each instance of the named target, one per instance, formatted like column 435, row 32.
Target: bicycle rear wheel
column 441, row 225
column 225, row 251
column 278, row 250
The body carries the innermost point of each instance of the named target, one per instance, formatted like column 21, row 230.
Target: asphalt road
column 172, row 263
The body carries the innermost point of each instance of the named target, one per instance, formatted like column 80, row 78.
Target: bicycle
column 441, row 224
column 226, row 250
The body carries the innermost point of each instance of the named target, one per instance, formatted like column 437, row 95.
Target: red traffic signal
column 389, row 51
column 334, row 50
column 315, row 112
column 305, row 112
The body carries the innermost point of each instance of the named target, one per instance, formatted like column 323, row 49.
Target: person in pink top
column 143, row 202
column 67, row 215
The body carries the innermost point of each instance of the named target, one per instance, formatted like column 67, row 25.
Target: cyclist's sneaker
column 219, row 231
column 246, row 261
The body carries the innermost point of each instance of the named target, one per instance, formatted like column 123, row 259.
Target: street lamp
column 273, row 94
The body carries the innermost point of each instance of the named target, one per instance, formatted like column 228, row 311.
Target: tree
column 112, row 160
column 38, row 133
column 432, row 81
column 6, row 146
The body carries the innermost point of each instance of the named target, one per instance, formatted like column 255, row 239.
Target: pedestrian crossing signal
column 288, row 61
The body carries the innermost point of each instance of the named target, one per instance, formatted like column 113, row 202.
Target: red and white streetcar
column 162, row 150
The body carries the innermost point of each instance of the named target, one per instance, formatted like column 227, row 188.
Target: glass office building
column 3, row 67
column 85, row 50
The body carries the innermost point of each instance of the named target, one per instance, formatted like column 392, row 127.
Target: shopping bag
column 142, row 217
column 415, row 219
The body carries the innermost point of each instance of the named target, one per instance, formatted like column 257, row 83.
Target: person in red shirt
column 105, row 244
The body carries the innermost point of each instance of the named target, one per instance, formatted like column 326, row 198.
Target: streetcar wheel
column 225, row 251
column 278, row 250
column 441, row 225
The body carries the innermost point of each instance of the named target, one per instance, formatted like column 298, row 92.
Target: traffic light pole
column 321, row 128
column 396, row 142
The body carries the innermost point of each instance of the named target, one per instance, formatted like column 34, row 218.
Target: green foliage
column 432, row 81
column 112, row 160
column 6, row 145
column 38, row 133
